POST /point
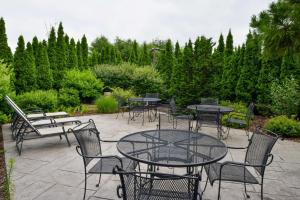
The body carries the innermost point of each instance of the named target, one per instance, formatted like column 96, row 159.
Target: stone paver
column 49, row 169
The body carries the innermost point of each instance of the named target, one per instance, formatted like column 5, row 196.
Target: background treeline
column 250, row 72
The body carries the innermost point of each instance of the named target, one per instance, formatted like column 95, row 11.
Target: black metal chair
column 258, row 156
column 137, row 109
column 210, row 118
column 122, row 105
column 157, row 186
column 177, row 112
column 209, row 101
column 89, row 148
column 166, row 121
column 241, row 119
column 152, row 106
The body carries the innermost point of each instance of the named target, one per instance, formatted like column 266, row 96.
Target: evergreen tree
column 85, row 52
column 246, row 86
column 134, row 53
column 177, row 72
column 185, row 85
column 229, row 76
column 79, row 55
column 106, row 55
column 289, row 67
column 5, row 52
column 44, row 75
column 94, row 58
column 67, row 43
column 165, row 63
column 202, row 70
column 35, row 47
column 113, row 55
column 60, row 51
column 145, row 58
column 19, row 69
column 118, row 57
column 52, row 57
column 218, row 64
column 72, row 58
column 30, row 69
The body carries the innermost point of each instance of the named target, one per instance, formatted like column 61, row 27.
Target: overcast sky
column 143, row 20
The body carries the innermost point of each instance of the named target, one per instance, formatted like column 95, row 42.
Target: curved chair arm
column 113, row 141
column 231, row 147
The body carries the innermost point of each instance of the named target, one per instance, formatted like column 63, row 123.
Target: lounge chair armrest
column 231, row 147
column 113, row 141
column 242, row 164
column 34, row 110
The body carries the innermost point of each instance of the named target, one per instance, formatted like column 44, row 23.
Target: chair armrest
column 34, row 110
column 231, row 147
column 112, row 141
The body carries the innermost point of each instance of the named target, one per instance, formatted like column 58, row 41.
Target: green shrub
column 45, row 100
column 282, row 125
column 141, row 80
column 263, row 109
column 85, row 82
column 237, row 107
column 123, row 93
column 68, row 97
column 81, row 109
column 106, row 104
column 285, row 96
column 3, row 118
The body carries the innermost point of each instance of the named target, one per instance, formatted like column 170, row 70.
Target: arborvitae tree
column 246, row 86
column 177, row 72
column 112, row 55
column 145, row 58
column 118, row 57
column 30, row 69
column 60, row 50
column 19, row 63
column 202, row 70
column 106, row 56
column 165, row 63
column 44, row 75
column 79, row 55
column 93, row 58
column 289, row 67
column 218, row 64
column 185, row 96
column 67, row 42
column 72, row 58
column 52, row 57
column 35, row 47
column 229, row 76
column 134, row 53
column 85, row 52
column 5, row 52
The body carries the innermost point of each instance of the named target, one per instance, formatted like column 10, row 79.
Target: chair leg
column 219, row 190
column 97, row 185
column 67, row 139
column 262, row 189
column 245, row 187
column 85, row 183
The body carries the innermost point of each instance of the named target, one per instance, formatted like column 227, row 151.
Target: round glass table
column 172, row 148
column 210, row 108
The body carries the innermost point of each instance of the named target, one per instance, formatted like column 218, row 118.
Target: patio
column 49, row 169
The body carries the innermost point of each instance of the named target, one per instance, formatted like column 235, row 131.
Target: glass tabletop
column 172, row 148
column 202, row 107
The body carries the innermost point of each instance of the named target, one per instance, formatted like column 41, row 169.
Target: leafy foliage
column 85, row 82
column 284, row 126
column 107, row 104
column 40, row 99
column 5, row 53
column 44, row 74
column 126, row 94
column 68, row 97
column 285, row 96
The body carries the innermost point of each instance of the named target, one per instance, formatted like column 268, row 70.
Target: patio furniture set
column 146, row 154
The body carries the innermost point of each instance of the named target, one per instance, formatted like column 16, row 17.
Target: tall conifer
column 177, row 72
column 60, row 50
column 35, row 47
column 145, row 58
column 85, row 52
column 72, row 58
column 79, row 55
column 30, row 69
column 44, row 75
column 52, row 57
column 5, row 52
column 19, row 69
column 218, row 64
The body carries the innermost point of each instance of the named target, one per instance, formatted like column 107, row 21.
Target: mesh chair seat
column 105, row 165
column 182, row 117
column 237, row 121
column 163, row 194
column 229, row 173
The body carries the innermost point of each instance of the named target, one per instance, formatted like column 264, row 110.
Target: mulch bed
column 2, row 166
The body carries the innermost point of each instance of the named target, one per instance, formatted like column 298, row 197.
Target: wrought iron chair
column 166, row 121
column 89, row 148
column 137, row 109
column 258, row 156
column 209, row 101
column 177, row 112
column 152, row 106
column 122, row 105
column 241, row 119
column 210, row 118
column 157, row 186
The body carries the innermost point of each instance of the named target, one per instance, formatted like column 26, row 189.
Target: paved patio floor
column 50, row 170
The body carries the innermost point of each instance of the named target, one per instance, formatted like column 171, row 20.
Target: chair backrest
column 121, row 101
column 152, row 95
column 88, row 138
column 173, row 107
column 13, row 105
column 209, row 116
column 158, row 186
column 166, row 121
column 250, row 112
column 259, row 149
column 209, row 101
